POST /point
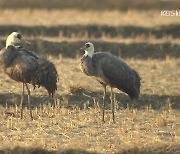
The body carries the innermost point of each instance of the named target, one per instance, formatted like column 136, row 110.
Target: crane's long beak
column 82, row 49
column 25, row 41
column 22, row 43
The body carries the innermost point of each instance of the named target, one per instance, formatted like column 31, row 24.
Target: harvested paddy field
column 71, row 122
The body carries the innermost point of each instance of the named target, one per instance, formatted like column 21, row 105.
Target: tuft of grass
column 76, row 88
column 161, row 121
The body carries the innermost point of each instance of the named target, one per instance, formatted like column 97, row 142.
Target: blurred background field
column 71, row 123
column 92, row 4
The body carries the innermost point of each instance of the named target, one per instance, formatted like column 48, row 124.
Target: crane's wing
column 22, row 68
column 120, row 75
column 26, row 52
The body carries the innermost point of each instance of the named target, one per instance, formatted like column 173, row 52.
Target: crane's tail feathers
column 135, row 90
column 47, row 76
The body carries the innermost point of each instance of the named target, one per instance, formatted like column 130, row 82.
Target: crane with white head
column 110, row 71
column 24, row 66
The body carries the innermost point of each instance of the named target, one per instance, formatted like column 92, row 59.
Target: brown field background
column 71, row 123
column 91, row 4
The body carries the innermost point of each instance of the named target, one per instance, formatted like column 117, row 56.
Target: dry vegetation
column 71, row 123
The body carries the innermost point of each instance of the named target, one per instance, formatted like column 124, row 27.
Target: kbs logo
column 169, row 13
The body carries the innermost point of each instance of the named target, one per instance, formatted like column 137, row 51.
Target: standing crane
column 24, row 66
column 110, row 71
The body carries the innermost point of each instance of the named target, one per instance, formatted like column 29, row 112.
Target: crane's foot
column 30, row 112
column 31, row 117
column 114, row 121
column 21, row 114
column 113, row 117
column 103, row 121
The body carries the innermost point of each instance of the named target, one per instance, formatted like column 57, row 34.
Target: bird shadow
column 33, row 150
column 131, row 150
column 8, row 99
column 78, row 99
column 155, row 101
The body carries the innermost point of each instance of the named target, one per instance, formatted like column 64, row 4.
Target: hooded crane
column 110, row 71
column 24, row 66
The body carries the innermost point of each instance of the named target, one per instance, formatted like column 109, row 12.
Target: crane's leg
column 112, row 104
column 29, row 101
column 104, row 97
column 22, row 100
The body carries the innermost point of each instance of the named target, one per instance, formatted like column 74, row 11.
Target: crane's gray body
column 109, row 70
column 24, row 66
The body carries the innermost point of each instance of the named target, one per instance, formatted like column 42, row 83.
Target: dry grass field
column 71, row 123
